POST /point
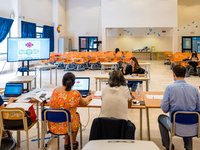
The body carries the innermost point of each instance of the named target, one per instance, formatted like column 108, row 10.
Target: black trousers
column 194, row 64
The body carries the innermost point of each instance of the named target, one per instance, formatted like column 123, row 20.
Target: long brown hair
column 137, row 66
column 116, row 79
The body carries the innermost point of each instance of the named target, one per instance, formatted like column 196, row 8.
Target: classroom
column 98, row 47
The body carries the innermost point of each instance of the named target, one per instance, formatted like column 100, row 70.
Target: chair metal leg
column 58, row 142
column 170, row 145
column 18, row 138
column 27, row 141
column 1, row 137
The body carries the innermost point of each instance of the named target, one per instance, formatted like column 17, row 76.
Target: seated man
column 178, row 96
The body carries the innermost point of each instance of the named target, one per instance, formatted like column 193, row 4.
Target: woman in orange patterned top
column 66, row 98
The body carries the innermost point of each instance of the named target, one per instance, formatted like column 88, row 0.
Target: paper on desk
column 95, row 102
column 154, row 96
column 98, row 93
column 25, row 106
column 129, row 76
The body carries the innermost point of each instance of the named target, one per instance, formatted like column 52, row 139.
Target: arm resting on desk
column 85, row 101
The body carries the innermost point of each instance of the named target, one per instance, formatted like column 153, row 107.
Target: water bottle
column 138, row 90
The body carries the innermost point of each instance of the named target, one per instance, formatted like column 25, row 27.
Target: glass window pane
column 84, row 43
column 187, row 43
column 91, row 45
column 39, row 29
column 3, row 45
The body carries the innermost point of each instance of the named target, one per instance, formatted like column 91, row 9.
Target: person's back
column 178, row 96
column 115, row 102
column 115, row 97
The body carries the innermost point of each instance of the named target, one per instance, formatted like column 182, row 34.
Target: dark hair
column 179, row 71
column 116, row 50
column 137, row 66
column 116, row 79
column 68, row 80
column 194, row 53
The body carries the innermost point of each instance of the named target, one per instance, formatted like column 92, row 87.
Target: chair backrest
column 56, row 115
column 185, row 118
column 13, row 114
column 112, row 128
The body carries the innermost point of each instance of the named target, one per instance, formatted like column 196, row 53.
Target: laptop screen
column 13, row 89
column 81, row 84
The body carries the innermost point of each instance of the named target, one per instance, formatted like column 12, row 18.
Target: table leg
column 115, row 67
column 149, row 73
column 40, row 78
column 35, row 83
column 96, row 83
column 157, row 55
column 56, row 76
column 38, row 128
column 147, row 85
column 100, row 81
column 140, row 124
column 42, row 130
column 148, row 127
column 30, row 87
column 50, row 76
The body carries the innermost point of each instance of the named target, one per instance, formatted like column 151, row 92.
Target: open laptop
column 82, row 84
column 12, row 90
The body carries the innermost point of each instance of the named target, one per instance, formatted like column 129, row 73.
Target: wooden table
column 47, row 67
column 120, row 144
column 46, row 104
column 101, row 77
column 151, row 103
column 24, row 79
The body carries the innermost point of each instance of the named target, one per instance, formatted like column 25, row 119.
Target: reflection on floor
column 161, row 76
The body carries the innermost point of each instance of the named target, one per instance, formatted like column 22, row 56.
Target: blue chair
column 56, row 116
column 184, row 118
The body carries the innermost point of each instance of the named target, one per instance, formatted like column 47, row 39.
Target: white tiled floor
column 161, row 76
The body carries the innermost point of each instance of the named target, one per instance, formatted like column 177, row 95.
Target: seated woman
column 194, row 58
column 133, row 69
column 115, row 97
column 117, row 50
column 66, row 98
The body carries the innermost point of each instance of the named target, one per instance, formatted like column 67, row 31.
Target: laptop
column 82, row 84
column 12, row 90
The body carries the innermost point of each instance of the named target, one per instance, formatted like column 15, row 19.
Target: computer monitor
column 82, row 84
column 28, row 49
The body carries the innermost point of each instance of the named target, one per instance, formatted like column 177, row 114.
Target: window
column 87, row 43
column 39, row 30
column 3, row 45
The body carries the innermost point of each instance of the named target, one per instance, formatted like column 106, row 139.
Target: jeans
column 164, row 132
column 133, row 85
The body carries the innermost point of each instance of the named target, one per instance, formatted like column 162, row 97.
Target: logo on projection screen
column 29, row 44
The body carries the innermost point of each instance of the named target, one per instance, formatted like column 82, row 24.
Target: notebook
column 12, row 90
column 82, row 84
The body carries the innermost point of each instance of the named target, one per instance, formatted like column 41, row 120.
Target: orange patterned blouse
column 69, row 101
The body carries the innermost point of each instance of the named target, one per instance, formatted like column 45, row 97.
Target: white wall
column 83, row 18
column 5, row 8
column 139, row 13
column 37, row 11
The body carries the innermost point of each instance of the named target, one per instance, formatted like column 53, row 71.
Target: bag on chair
column 18, row 123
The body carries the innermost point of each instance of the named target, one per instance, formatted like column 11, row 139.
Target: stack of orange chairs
column 93, row 62
column 68, row 62
column 127, row 57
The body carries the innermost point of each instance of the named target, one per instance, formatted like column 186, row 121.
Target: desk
column 106, row 76
column 110, row 65
column 150, row 56
column 151, row 103
column 45, row 67
column 120, row 144
column 160, row 52
column 24, row 79
column 132, row 107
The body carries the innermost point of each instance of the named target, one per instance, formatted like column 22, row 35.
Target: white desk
column 45, row 67
column 120, row 145
column 101, row 77
column 112, row 65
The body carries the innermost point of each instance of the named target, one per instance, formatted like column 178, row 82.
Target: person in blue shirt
column 178, row 96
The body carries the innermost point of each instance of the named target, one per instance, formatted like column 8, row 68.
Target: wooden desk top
column 46, row 66
column 2, row 90
column 144, row 64
column 106, row 76
column 23, row 79
column 152, row 103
